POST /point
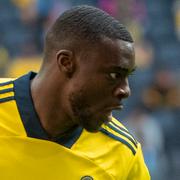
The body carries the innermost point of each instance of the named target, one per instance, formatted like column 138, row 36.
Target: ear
column 65, row 61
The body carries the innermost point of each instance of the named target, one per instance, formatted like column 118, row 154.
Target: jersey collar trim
column 29, row 116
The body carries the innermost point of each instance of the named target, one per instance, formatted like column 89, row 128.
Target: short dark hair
column 86, row 23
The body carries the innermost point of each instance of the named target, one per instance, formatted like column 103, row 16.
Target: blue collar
column 30, row 117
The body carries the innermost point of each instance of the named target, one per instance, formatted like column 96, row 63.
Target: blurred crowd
column 153, row 110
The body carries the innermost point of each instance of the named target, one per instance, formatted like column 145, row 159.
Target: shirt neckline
column 30, row 117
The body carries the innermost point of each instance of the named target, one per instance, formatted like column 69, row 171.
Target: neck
column 49, row 107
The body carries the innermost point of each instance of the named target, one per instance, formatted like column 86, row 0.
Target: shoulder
column 10, row 122
column 6, row 90
column 115, row 130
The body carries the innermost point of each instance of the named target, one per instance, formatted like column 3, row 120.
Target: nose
column 122, row 90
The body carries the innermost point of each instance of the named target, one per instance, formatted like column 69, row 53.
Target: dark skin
column 82, row 88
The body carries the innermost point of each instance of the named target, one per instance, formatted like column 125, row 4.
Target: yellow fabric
column 93, row 154
column 29, row 159
column 10, row 122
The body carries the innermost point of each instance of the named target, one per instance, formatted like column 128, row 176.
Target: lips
column 115, row 107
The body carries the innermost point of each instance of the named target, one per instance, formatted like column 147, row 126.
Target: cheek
column 98, row 93
column 93, row 90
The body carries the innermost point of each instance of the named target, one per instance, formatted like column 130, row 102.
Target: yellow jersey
column 27, row 154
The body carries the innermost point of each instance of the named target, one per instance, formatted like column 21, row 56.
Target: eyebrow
column 122, row 70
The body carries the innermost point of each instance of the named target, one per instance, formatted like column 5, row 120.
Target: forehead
column 107, row 55
column 116, row 53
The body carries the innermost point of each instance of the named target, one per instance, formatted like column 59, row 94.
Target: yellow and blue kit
column 27, row 154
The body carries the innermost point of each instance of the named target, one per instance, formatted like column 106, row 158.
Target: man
column 57, row 124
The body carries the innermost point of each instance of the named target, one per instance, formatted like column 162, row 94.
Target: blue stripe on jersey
column 125, row 130
column 6, row 99
column 6, row 90
column 6, row 83
column 122, row 133
column 118, row 139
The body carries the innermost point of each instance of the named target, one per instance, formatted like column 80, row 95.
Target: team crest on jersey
column 87, row 178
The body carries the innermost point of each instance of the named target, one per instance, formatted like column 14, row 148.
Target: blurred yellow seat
column 23, row 65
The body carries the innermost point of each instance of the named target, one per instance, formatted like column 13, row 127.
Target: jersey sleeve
column 138, row 169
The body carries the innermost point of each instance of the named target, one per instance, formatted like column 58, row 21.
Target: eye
column 114, row 76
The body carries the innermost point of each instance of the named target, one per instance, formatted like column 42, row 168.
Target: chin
column 92, row 127
column 92, row 130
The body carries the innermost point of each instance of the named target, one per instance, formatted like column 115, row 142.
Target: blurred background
column 152, row 113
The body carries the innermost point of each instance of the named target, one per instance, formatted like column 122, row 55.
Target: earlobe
column 65, row 61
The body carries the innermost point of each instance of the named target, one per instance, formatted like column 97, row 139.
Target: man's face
column 100, row 83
